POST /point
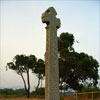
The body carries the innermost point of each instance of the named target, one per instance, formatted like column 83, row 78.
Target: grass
column 22, row 97
column 11, row 95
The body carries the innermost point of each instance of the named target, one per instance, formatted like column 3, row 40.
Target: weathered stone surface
column 52, row 70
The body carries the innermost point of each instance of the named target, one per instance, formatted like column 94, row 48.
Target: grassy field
column 15, row 97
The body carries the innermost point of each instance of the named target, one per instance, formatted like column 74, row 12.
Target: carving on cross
column 49, row 17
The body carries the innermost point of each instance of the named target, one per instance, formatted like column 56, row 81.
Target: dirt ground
column 19, row 99
column 39, row 99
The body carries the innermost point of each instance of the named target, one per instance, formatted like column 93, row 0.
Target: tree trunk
column 27, row 91
column 41, row 83
column 38, row 83
column 24, row 82
column 28, row 94
column 37, row 86
column 28, row 82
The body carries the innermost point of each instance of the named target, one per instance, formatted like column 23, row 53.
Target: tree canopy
column 75, row 69
column 23, row 64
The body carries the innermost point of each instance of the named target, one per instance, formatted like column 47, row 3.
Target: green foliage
column 65, row 42
column 90, row 90
column 40, row 67
column 39, row 93
column 75, row 68
column 22, row 63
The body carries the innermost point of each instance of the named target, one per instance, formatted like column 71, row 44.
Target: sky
column 22, row 31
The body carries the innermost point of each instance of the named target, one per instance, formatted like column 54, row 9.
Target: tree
column 75, row 69
column 39, row 70
column 23, row 64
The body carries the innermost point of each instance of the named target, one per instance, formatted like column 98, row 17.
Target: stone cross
column 52, row 69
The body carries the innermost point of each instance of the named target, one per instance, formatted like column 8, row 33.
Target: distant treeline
column 12, row 91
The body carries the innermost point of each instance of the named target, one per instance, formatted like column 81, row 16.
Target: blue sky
column 22, row 31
